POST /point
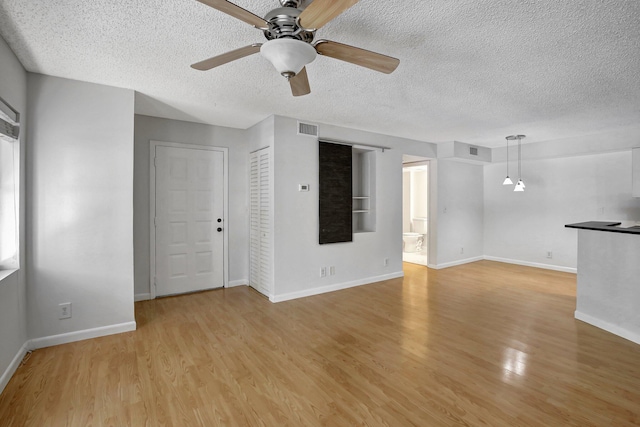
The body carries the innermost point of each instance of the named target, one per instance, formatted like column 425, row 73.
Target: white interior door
column 189, row 223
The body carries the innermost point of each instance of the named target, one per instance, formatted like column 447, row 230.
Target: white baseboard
column 532, row 264
column 102, row 331
column 141, row 297
column 454, row 263
column 234, row 283
column 13, row 366
column 609, row 327
column 335, row 287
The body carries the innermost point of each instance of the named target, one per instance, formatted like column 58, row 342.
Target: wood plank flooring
column 483, row 344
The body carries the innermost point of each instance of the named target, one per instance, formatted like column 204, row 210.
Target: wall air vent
column 307, row 129
column 473, row 151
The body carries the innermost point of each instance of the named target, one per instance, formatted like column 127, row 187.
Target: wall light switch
column 303, row 187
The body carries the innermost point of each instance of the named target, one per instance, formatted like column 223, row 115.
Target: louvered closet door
column 260, row 222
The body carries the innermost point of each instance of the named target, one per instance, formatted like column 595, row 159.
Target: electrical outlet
column 386, row 262
column 549, row 254
column 323, row 271
column 64, row 310
column 332, row 270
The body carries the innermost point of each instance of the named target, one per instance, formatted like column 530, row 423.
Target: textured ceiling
column 470, row 70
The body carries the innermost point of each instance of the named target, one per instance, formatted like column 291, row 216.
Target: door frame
column 152, row 207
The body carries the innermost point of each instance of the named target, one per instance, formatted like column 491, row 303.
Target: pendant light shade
column 507, row 181
column 288, row 56
column 519, row 186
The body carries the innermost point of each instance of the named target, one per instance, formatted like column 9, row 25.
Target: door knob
column 219, row 219
column 219, row 229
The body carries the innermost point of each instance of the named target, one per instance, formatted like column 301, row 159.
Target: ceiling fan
column 290, row 33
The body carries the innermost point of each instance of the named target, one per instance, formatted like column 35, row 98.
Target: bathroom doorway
column 415, row 210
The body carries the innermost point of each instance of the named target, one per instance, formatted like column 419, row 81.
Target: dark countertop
column 604, row 226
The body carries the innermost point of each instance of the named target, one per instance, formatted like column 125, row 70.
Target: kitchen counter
column 608, row 291
column 614, row 227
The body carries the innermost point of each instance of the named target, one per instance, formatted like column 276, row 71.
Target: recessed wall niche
column 364, row 189
column 347, row 196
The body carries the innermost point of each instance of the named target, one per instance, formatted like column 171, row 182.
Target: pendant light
column 520, row 184
column 507, row 180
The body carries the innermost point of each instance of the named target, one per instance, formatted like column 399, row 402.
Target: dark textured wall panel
column 335, row 187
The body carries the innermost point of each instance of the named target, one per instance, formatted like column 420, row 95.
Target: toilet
column 415, row 241
column 419, row 225
column 412, row 242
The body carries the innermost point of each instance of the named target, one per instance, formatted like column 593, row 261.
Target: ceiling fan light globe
column 288, row 55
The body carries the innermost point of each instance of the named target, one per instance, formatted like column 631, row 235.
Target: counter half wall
column 608, row 291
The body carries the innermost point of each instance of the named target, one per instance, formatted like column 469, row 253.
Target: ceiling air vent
column 473, row 151
column 307, row 129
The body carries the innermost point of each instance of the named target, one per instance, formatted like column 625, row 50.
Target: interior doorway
column 415, row 210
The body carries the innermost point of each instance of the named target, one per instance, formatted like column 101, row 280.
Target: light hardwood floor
column 483, row 344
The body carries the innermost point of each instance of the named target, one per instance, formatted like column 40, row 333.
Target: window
column 9, row 169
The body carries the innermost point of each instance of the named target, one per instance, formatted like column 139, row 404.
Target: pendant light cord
column 519, row 162
column 507, row 156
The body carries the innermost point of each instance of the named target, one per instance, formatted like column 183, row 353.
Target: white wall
column 261, row 135
column 406, row 201
column 525, row 226
column 167, row 130
column 419, row 194
column 13, row 307
column 298, row 256
column 80, row 198
column 460, row 212
column 608, row 272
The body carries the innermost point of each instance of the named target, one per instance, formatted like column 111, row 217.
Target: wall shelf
column 364, row 190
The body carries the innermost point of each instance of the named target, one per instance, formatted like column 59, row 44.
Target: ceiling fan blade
column 300, row 83
column 236, row 11
column 319, row 12
column 216, row 61
column 355, row 55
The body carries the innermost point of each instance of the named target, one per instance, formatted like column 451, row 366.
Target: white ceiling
column 470, row 70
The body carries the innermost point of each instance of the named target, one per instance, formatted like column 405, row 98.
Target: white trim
column 152, row 206
column 6, row 273
column 142, row 297
column 85, row 334
column 13, row 366
column 532, row 264
column 241, row 282
column 609, row 327
column 454, row 263
column 335, row 287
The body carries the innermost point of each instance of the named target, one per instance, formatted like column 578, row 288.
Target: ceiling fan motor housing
column 290, row 3
column 283, row 23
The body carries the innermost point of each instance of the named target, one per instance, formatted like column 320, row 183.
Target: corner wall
column 298, row 256
column 167, row 130
column 523, row 227
column 80, row 197
column 13, row 301
column 460, row 213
